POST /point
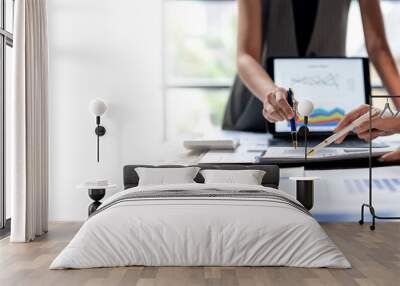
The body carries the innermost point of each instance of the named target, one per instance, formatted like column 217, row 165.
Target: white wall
column 109, row 49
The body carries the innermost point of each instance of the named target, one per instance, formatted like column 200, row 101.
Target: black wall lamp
column 97, row 107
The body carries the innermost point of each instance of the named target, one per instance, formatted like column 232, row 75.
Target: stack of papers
column 211, row 144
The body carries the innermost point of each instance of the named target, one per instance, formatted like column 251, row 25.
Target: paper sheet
column 299, row 152
column 290, row 154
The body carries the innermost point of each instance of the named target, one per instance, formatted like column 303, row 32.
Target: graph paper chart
column 378, row 185
column 339, row 193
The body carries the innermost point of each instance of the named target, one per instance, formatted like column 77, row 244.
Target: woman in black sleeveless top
column 295, row 28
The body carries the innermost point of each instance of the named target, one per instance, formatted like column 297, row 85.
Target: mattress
column 201, row 225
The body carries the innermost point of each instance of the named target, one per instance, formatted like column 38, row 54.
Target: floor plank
column 375, row 257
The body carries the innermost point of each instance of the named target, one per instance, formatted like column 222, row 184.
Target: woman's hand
column 348, row 119
column 391, row 157
column 379, row 127
column 276, row 108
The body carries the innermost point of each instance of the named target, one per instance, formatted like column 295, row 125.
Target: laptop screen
column 334, row 85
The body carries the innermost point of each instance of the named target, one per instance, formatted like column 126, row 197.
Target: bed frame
column 271, row 177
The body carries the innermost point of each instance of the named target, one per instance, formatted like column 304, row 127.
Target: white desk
column 173, row 152
column 339, row 193
column 252, row 145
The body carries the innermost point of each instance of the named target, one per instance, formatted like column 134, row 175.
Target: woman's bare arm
column 378, row 48
column 250, row 70
column 249, row 49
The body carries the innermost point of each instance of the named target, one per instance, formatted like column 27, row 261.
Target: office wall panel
column 111, row 50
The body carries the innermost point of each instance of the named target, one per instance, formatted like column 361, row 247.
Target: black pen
column 293, row 129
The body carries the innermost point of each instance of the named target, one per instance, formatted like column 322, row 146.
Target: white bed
column 206, row 230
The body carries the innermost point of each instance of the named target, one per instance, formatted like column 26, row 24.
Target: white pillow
column 248, row 177
column 165, row 176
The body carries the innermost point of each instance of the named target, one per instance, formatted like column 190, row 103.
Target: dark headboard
column 271, row 178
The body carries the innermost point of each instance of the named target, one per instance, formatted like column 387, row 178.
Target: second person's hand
column 276, row 108
column 380, row 127
column 349, row 118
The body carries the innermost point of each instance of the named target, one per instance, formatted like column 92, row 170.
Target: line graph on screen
column 326, row 80
column 323, row 118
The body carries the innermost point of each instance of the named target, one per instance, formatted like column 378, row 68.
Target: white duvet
column 193, row 231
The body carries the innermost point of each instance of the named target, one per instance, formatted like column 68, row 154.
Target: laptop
column 335, row 85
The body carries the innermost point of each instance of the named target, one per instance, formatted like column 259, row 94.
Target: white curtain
column 28, row 122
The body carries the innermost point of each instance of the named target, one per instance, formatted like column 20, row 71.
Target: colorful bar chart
column 323, row 118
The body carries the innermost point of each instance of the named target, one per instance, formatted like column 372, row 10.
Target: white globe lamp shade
column 305, row 107
column 97, row 107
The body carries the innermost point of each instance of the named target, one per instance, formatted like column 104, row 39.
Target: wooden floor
column 375, row 257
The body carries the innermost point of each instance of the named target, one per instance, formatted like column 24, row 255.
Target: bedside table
column 305, row 190
column 96, row 193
